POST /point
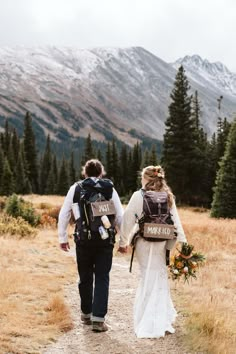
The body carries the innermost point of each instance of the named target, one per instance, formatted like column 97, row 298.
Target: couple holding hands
column 94, row 237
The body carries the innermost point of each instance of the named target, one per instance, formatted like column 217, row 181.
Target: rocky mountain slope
column 105, row 91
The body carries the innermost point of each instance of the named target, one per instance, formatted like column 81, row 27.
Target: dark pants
column 94, row 265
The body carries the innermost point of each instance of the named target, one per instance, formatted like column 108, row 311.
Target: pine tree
column 45, row 166
column 55, row 169
column 224, row 200
column 15, row 145
column 7, row 179
column 136, row 164
column 180, row 153
column 123, row 167
column 196, row 110
column 153, row 156
column 50, row 186
column 1, row 165
column 108, row 161
column 200, row 179
column 6, row 138
column 89, row 150
column 22, row 184
column 63, row 179
column 114, row 165
column 223, row 128
column 146, row 159
column 52, row 182
column 130, row 173
column 10, row 156
column 72, row 172
column 30, row 153
column 99, row 155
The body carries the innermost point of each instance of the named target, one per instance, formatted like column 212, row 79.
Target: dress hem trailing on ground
column 154, row 312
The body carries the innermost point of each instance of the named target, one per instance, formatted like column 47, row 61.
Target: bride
column 154, row 312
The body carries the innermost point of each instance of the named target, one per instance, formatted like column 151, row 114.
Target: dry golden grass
column 209, row 301
column 33, row 274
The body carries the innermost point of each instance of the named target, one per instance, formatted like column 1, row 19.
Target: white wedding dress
column 154, row 312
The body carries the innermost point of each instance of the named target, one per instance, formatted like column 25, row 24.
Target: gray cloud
column 168, row 28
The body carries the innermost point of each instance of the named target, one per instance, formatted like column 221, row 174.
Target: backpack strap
column 78, row 188
column 77, row 199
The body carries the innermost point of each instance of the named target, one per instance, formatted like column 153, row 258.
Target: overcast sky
column 168, row 28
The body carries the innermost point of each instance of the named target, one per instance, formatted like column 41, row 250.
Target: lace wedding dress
column 154, row 312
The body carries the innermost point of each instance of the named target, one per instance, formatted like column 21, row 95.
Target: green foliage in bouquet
column 186, row 263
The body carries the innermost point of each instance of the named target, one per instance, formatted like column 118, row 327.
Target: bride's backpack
column 156, row 224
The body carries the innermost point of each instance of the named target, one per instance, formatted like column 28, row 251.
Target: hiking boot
column 100, row 327
column 85, row 319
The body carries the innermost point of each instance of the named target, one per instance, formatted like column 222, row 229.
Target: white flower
column 176, row 271
column 185, row 269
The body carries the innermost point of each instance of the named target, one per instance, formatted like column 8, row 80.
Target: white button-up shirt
column 65, row 212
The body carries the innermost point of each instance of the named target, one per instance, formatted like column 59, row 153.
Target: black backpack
column 94, row 199
column 156, row 218
column 155, row 224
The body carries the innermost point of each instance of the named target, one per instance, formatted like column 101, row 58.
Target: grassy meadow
column 209, row 302
column 34, row 273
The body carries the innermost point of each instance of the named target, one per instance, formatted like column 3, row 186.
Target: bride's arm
column 179, row 228
column 134, row 207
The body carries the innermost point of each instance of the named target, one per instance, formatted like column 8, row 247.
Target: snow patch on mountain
column 205, row 72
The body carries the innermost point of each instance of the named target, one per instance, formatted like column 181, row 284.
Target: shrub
column 47, row 221
column 16, row 207
column 15, row 226
column 54, row 212
column 2, row 202
column 44, row 206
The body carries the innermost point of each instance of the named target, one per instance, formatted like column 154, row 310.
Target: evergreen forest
column 199, row 169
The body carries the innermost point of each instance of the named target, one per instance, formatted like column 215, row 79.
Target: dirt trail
column 120, row 339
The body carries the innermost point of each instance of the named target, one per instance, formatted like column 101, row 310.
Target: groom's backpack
column 94, row 198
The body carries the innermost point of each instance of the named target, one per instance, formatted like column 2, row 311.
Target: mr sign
column 103, row 208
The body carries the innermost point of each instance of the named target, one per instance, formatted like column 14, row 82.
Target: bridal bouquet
column 186, row 263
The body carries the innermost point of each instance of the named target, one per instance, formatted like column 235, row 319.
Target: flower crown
column 158, row 171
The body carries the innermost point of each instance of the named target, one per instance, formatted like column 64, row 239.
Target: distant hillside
column 108, row 92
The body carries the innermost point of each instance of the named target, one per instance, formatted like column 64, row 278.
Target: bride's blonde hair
column 155, row 177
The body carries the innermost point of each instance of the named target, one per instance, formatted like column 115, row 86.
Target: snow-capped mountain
column 105, row 91
column 206, row 73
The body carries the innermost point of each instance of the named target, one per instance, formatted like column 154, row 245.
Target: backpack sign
column 156, row 223
column 103, row 208
column 159, row 231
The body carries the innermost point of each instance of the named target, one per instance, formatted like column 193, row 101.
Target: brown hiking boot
column 85, row 319
column 100, row 327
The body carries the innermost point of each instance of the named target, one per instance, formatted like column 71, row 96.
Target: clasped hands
column 123, row 249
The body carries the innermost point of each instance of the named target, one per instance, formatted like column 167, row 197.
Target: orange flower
column 179, row 265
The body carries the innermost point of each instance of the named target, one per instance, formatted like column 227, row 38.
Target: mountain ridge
column 107, row 92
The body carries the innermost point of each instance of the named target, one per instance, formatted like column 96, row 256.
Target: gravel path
column 120, row 339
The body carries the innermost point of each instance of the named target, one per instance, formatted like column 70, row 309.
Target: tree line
column 23, row 170
column 199, row 170
column 193, row 161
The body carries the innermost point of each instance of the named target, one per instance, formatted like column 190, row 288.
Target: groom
column 94, row 251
